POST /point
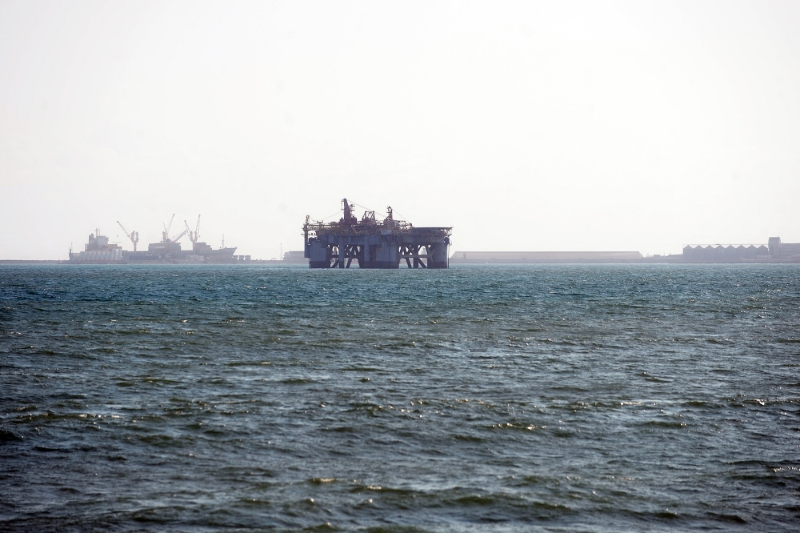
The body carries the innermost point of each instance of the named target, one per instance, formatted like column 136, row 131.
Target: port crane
column 194, row 236
column 165, row 233
column 176, row 239
column 133, row 236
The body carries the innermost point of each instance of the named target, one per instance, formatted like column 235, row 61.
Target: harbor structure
column 374, row 243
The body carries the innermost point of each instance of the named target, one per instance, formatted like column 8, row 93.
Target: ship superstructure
column 374, row 243
column 98, row 250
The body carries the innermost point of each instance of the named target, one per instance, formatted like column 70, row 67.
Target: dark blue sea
column 484, row 398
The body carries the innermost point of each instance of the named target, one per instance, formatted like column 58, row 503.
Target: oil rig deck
column 373, row 243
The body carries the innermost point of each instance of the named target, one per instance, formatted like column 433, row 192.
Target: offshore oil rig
column 373, row 243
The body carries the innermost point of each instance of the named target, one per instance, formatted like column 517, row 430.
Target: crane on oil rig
column 349, row 219
column 194, row 236
column 133, row 236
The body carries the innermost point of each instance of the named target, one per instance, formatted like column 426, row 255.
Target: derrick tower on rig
column 373, row 243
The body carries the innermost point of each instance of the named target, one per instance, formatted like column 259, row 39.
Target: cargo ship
column 100, row 251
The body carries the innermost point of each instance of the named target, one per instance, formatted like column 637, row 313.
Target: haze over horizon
column 525, row 125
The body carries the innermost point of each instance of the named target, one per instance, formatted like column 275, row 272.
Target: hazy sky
column 526, row 126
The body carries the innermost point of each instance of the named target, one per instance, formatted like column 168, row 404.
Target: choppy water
column 552, row 398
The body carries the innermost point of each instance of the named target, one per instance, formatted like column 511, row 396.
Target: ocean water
column 529, row 398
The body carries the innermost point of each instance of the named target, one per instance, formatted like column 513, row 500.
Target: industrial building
column 544, row 257
column 784, row 250
column 774, row 251
column 724, row 253
column 373, row 243
column 295, row 256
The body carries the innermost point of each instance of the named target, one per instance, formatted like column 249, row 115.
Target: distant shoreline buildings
column 544, row 257
column 373, row 243
column 773, row 252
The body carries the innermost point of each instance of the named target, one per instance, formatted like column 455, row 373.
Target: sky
column 524, row 125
